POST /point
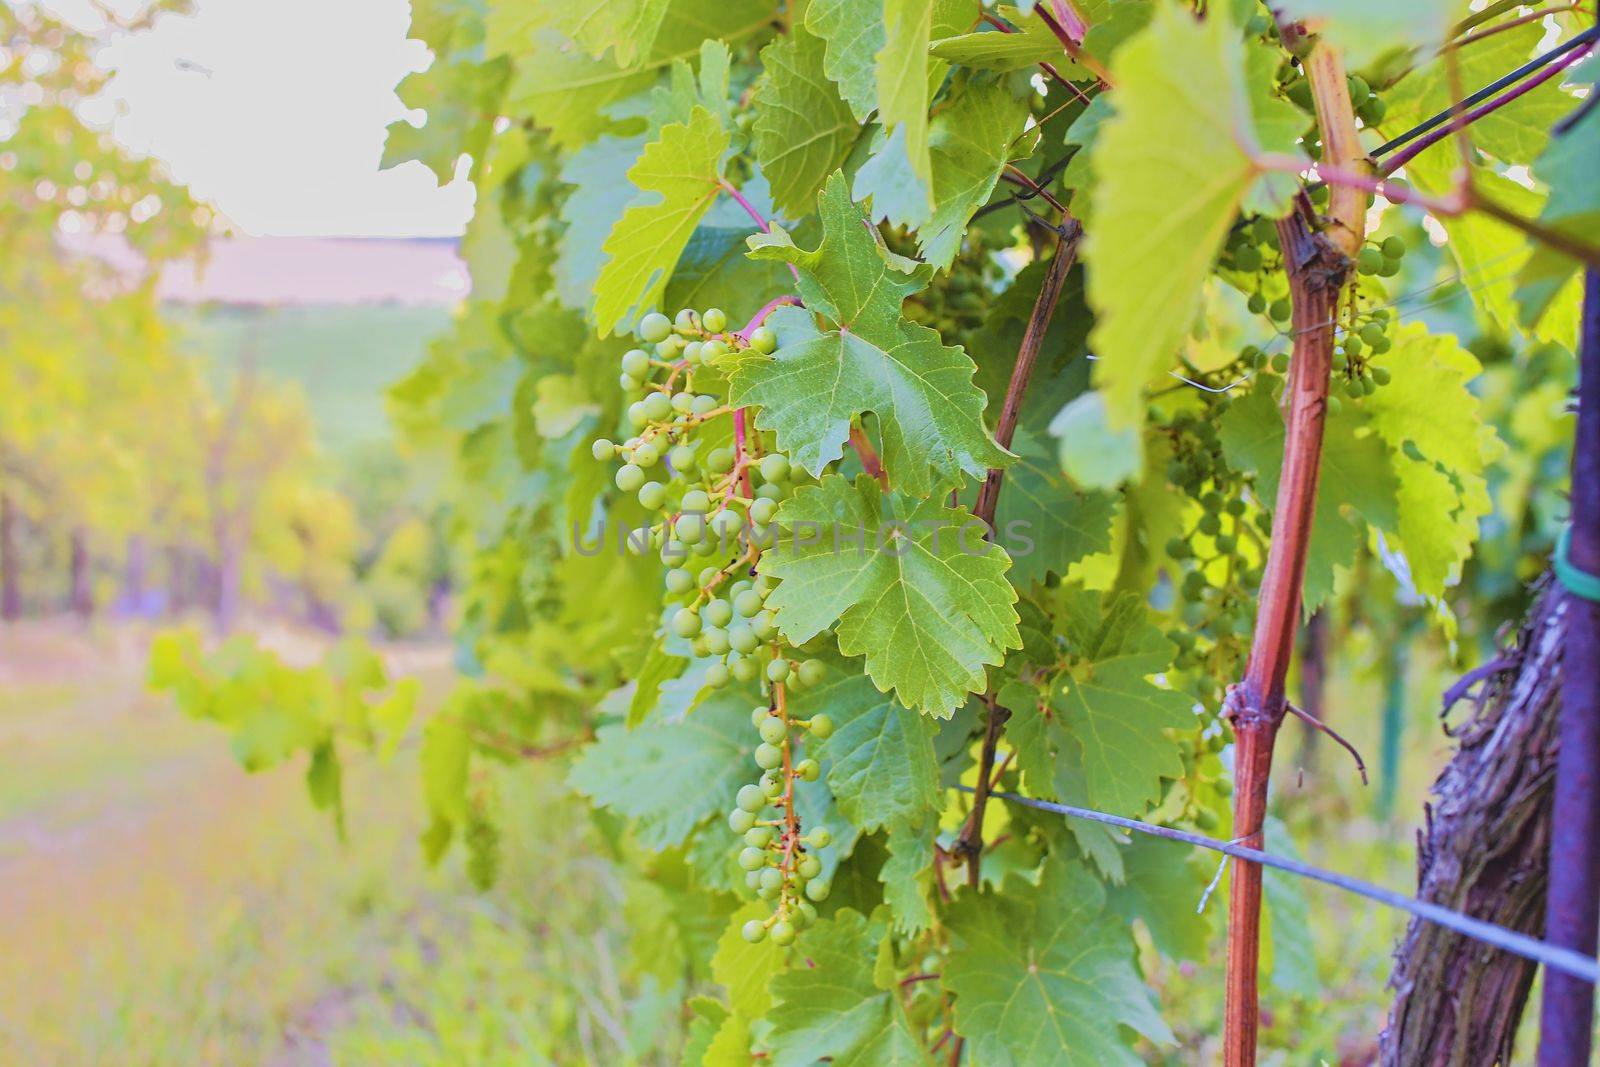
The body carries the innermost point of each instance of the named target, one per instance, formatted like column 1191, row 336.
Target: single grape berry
column 743, row 640
column 763, row 340
column 808, row 770
column 1394, row 246
column 778, row 671
column 751, row 798
column 717, row 642
column 754, row 931
column 813, row 671
column 821, row 727
column 636, row 362
column 809, row 867
column 772, row 730
column 652, row 495
column 740, row 821
column 717, row 675
column 782, row 933
column 629, row 478
column 1369, row 260
column 775, row 467
column 772, row 879
column 686, row 623
column 654, row 328
column 819, row 838
column 818, row 890
column 752, row 859
column 768, row 756
column 718, row 612
column 658, row 407
column 715, row 320
column 685, row 319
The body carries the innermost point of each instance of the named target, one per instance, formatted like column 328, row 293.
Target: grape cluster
column 1252, row 252
column 777, row 858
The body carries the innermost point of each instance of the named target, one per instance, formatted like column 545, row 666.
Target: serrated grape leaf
column 929, row 608
column 1439, row 446
column 907, row 877
column 659, row 668
column 743, row 969
column 1355, row 473
column 572, row 94
column 1108, row 706
column 707, row 1016
column 1089, row 450
column 803, row 128
column 601, row 191
column 854, row 34
column 880, row 758
column 838, row 1005
column 930, row 415
column 1040, row 976
column 1195, row 109
column 677, row 175
column 885, row 185
column 969, row 144
column 668, row 777
column 1044, row 521
column 987, row 48
column 1365, row 29
column 627, row 26
column 461, row 99
column 906, row 75
column 1163, row 886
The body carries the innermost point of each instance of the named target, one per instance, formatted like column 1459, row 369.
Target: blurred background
column 216, row 312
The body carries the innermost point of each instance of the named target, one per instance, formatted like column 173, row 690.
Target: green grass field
column 164, row 908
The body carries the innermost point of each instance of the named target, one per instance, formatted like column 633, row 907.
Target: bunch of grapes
column 1252, row 252
column 715, row 505
column 777, row 858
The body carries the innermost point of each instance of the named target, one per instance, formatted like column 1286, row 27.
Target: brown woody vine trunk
column 1484, row 852
column 1317, row 260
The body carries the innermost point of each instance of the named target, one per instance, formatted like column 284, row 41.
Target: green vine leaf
column 1040, row 976
column 628, row 27
column 869, row 360
column 842, row 1006
column 928, row 608
column 971, row 142
column 1195, row 110
column 678, row 175
column 854, row 34
column 803, row 128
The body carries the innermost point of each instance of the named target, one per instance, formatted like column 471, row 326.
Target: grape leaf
column 1355, row 473
column 907, row 877
column 678, row 176
column 1439, row 447
column 803, row 129
column 1039, row 975
column 840, row 1005
column 1045, row 522
column 970, row 143
column 1032, row 43
column 461, row 99
column 1089, row 450
column 1107, row 705
column 927, row 606
column 880, row 758
column 601, row 191
column 871, row 360
column 743, row 969
column 1163, row 885
column 886, row 186
column 628, row 26
column 668, row 777
column 854, row 33
column 1567, row 165
column 1194, row 111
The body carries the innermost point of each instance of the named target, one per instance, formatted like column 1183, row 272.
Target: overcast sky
column 274, row 110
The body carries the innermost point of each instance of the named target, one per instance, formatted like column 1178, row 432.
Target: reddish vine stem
column 970, row 843
column 1317, row 264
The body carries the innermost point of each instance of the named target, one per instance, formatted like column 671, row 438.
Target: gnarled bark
column 1484, row 852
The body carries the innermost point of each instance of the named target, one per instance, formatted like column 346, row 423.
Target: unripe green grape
column 1340, row 361
column 1257, row 303
column 809, row 770
column 1372, row 333
column 690, row 528
column 778, row 671
column 658, row 406
column 1368, row 260
column 1280, row 363
column 718, row 612
column 740, row 821
column 1353, row 390
column 685, row 319
column 669, row 349
column 717, row 675
column 772, row 730
column 752, row 859
column 636, row 362
column 747, row 603
column 712, row 350
column 775, row 467
column 806, row 909
column 759, row 714
column 1360, row 91
column 1281, row 310
column 1383, row 345
column 809, row 867
column 717, row 640
column 652, row 495
column 821, row 727
column 1235, row 507
column 743, row 640
column 636, row 416
column 1209, row 524
column 679, row 581
column 685, row 623
column 768, row 756
column 1394, row 246
column 763, row 511
column 751, row 798
column 720, row 461
column 715, row 320
column 1374, row 110
column 695, row 500
column 654, row 327
column 765, row 625
column 628, row 383
column 727, row 523
column 1368, row 386
column 1225, row 542
column 629, row 478
column 646, row 455
column 818, row 890
column 772, row 878
column 782, row 934
column 763, row 340
column 772, row 784
column 699, row 647
column 813, row 671
column 819, row 838
column 1390, row 268
column 1381, row 375
column 743, row 669
column 1334, row 405
column 682, row 403
column 1353, row 345
column 1194, row 583
column 771, row 491
column 1248, row 259
column 603, row 449
column 754, row 931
